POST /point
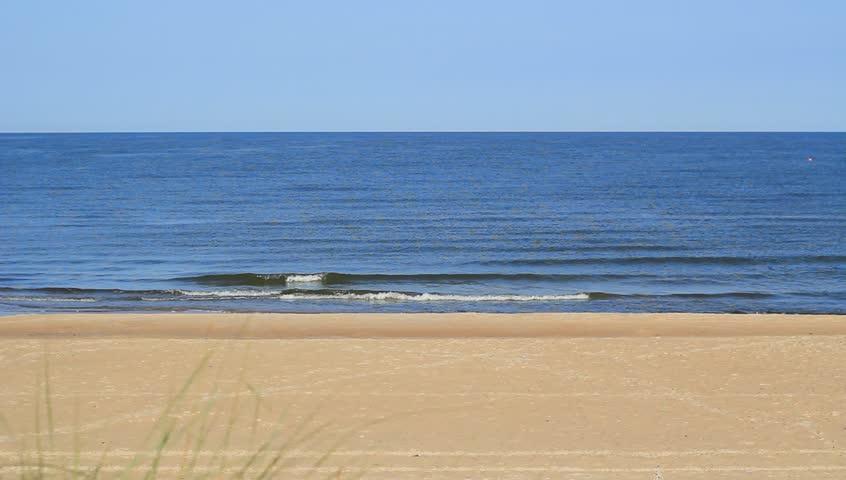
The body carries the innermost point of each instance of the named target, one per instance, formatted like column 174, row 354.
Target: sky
column 434, row 65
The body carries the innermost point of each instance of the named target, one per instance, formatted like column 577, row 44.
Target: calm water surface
column 423, row 222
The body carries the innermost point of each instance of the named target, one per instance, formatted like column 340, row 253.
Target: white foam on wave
column 308, row 278
column 433, row 297
column 380, row 296
column 228, row 293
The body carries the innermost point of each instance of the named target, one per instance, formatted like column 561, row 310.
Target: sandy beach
column 441, row 396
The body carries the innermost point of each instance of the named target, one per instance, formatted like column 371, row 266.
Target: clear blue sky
column 192, row 65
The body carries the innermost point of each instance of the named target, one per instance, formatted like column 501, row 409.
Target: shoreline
column 415, row 325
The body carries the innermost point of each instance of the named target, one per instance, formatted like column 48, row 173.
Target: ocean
column 423, row 222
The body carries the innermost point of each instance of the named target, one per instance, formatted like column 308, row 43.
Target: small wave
column 75, row 295
column 611, row 296
column 46, row 299
column 233, row 279
column 335, row 278
column 88, row 291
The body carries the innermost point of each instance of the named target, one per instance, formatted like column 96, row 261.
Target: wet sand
column 441, row 396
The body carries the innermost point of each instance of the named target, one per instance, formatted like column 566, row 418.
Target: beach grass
column 38, row 458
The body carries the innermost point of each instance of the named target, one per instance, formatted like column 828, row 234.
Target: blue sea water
column 506, row 222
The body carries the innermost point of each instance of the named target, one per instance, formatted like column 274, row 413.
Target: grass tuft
column 193, row 431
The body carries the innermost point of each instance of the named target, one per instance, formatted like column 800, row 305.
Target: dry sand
column 440, row 396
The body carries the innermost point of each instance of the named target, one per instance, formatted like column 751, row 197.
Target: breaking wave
column 334, row 278
column 374, row 295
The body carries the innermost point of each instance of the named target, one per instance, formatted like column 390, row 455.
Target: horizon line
column 83, row 132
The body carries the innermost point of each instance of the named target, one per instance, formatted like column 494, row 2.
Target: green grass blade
column 154, row 467
column 166, row 412
column 39, row 451
column 48, row 398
